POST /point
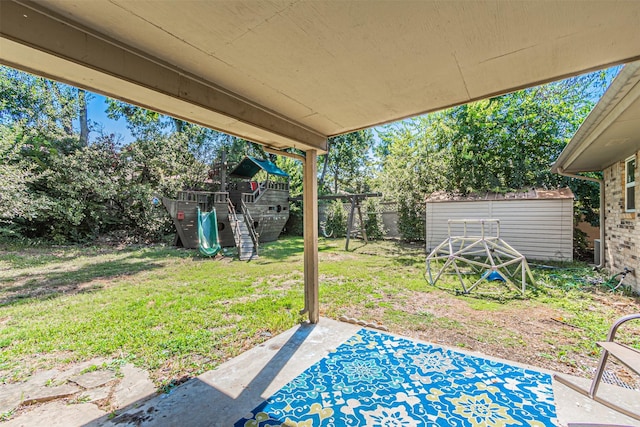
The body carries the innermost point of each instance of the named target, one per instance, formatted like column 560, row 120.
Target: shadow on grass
column 286, row 247
column 82, row 280
column 33, row 259
column 29, row 257
column 282, row 248
column 400, row 253
column 355, row 245
column 408, row 261
column 495, row 291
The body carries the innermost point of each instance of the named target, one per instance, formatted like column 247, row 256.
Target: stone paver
column 37, row 394
column 94, row 379
column 77, row 369
column 68, row 395
column 10, row 397
column 57, row 414
column 134, row 386
column 96, row 394
column 33, row 391
column 44, row 377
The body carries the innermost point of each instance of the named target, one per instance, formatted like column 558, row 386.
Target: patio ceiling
column 292, row 73
column 611, row 132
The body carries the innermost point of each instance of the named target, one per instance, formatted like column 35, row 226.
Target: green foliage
column 295, row 223
column 411, row 221
column 412, row 168
column 580, row 245
column 292, row 167
column 501, row 144
column 46, row 107
column 16, row 175
column 336, row 219
column 79, row 188
column 373, row 219
column 55, row 187
column 142, row 123
column 345, row 166
column 36, row 133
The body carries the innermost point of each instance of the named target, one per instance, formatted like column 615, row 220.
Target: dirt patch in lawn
column 524, row 331
column 335, row 256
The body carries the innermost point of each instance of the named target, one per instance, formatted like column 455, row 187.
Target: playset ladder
column 243, row 233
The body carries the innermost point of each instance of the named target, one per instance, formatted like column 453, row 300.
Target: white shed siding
column 538, row 228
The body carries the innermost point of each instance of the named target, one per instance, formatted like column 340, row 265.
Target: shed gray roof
column 531, row 194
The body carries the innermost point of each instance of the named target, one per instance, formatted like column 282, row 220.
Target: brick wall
column 622, row 229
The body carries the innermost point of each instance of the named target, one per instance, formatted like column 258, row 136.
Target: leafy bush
column 337, row 219
column 581, row 246
column 76, row 195
column 411, row 221
column 373, row 220
column 295, row 223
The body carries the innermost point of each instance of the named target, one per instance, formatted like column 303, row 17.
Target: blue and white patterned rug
column 375, row 379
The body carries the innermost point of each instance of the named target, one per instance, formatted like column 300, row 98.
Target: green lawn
column 177, row 314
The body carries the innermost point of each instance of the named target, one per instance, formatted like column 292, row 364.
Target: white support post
column 310, row 212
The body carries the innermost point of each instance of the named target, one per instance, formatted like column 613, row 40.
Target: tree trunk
column 179, row 124
column 84, row 123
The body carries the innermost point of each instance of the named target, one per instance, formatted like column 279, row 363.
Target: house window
column 630, row 184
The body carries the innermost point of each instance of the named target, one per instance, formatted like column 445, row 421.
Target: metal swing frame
column 484, row 254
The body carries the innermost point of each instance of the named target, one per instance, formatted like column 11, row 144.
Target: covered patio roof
column 291, row 74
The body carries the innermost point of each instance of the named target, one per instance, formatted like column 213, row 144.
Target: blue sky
column 96, row 110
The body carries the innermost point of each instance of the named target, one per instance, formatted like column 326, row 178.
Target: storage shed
column 537, row 223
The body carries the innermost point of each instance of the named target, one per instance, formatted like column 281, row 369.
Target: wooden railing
column 249, row 197
column 204, row 198
column 233, row 221
column 262, row 188
column 278, row 185
column 249, row 221
column 220, row 197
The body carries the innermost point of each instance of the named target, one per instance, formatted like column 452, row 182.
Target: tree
column 509, row 142
column 16, row 176
column 83, row 117
column 58, row 186
column 501, row 144
column 36, row 127
column 42, row 107
column 346, row 162
column 414, row 166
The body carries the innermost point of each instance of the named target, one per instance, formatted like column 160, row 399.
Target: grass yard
column 177, row 315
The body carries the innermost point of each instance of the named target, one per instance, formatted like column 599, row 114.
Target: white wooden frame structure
column 485, row 254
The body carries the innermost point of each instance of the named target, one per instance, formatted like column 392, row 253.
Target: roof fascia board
column 612, row 104
column 34, row 28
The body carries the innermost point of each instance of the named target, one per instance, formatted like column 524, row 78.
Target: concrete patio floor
column 223, row 396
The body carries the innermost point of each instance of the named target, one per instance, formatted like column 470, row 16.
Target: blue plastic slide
column 208, row 233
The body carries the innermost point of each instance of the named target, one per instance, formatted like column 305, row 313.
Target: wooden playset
column 247, row 212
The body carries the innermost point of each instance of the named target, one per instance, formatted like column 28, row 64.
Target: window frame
column 627, row 184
